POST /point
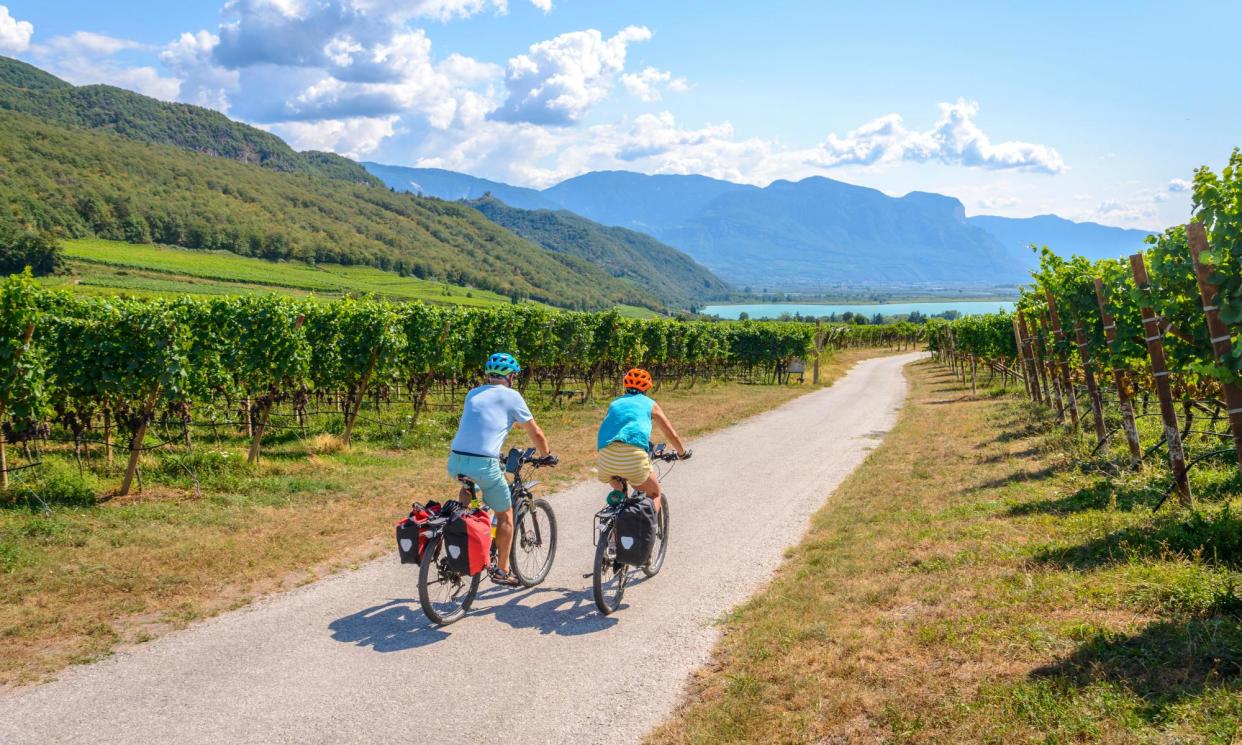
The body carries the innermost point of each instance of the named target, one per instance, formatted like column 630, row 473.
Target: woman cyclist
column 624, row 437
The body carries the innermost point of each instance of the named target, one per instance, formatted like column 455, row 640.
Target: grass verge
column 969, row 583
column 80, row 578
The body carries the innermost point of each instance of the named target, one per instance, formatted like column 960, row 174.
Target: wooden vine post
column 1027, row 378
column 135, row 445
column 1051, row 379
column 4, row 455
column 1041, row 374
column 1222, row 343
column 357, row 402
column 265, row 413
column 1159, row 370
column 1066, row 383
column 1120, row 381
column 1093, row 391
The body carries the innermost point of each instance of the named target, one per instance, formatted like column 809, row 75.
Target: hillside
column 90, row 183
column 652, row 204
column 667, row 273
column 1088, row 239
column 28, row 89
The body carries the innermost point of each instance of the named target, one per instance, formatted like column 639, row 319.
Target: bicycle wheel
column 610, row 575
column 653, row 565
column 444, row 594
column 534, row 543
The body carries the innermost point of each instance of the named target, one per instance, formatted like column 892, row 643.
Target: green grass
column 113, row 267
column 979, row 579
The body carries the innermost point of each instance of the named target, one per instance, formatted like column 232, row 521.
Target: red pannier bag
column 412, row 532
column 468, row 542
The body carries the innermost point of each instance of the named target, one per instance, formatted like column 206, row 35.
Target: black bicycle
column 447, row 594
column 610, row 576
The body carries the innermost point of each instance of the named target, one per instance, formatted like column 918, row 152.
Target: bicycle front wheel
column 534, row 543
column 653, row 565
column 444, row 594
column 610, row 575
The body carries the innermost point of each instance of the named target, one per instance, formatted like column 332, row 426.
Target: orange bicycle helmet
column 639, row 380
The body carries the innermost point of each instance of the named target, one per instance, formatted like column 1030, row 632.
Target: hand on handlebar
column 547, row 460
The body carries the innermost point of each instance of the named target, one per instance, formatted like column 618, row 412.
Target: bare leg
column 651, row 487
column 504, row 538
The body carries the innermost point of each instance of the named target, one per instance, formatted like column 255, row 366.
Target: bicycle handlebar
column 660, row 453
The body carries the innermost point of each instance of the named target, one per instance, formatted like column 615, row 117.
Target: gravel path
column 351, row 659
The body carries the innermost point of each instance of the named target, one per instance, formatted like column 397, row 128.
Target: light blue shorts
column 487, row 473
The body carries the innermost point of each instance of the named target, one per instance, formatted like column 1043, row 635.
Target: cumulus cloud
column 647, row 85
column 954, row 139
column 558, row 80
column 1177, row 186
column 354, row 137
column 14, row 34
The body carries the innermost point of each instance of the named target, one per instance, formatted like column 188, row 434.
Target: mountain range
column 797, row 235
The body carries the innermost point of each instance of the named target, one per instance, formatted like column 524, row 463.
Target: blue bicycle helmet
column 502, row 364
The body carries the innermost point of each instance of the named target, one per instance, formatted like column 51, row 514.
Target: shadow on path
column 398, row 625
column 393, row 626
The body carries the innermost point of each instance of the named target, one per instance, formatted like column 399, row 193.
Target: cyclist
column 490, row 411
column 625, row 437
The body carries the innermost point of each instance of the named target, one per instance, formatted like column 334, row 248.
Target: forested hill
column 669, row 274
column 80, row 182
column 32, row 91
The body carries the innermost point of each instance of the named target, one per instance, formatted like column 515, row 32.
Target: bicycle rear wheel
column 444, row 594
column 653, row 565
column 610, row 575
column 534, row 543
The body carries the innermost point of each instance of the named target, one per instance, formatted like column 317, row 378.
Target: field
column 111, row 267
column 971, row 583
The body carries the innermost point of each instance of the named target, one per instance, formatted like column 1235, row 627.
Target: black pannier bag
column 412, row 532
column 636, row 532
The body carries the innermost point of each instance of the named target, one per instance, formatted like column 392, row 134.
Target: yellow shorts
column 628, row 462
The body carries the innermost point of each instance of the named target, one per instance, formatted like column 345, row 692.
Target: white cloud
column 14, row 34
column 557, row 80
column 353, row 137
column 646, row 85
column 1177, row 186
column 955, row 139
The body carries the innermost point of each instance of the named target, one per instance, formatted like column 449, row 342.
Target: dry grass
column 964, row 586
column 80, row 580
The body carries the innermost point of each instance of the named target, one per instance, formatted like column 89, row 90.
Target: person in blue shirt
column 490, row 411
column 625, row 437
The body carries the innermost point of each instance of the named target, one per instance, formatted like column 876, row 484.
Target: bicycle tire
column 546, row 536
column 603, row 570
column 431, row 562
column 653, row 566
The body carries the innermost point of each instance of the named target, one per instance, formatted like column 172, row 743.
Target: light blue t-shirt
column 628, row 420
column 489, row 413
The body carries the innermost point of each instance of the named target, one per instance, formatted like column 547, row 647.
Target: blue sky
column 1090, row 110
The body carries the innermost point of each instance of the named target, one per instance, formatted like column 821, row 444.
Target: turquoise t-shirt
column 628, row 420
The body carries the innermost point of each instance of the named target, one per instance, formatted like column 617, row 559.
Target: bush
column 20, row 249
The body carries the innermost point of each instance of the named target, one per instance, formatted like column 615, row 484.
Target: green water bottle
column 615, row 497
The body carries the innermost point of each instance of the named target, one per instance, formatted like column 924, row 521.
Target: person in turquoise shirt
column 624, row 437
column 490, row 411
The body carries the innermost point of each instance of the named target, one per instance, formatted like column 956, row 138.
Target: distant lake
column 774, row 310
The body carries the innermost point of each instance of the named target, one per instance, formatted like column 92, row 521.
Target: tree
column 20, row 249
